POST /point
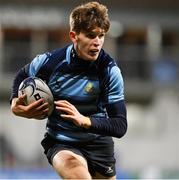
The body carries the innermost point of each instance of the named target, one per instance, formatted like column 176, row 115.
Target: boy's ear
column 73, row 36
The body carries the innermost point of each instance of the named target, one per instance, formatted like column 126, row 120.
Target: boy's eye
column 101, row 35
column 91, row 35
column 94, row 35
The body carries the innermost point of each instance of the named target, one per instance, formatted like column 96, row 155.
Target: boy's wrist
column 87, row 123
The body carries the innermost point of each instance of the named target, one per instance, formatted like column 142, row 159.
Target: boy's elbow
column 122, row 130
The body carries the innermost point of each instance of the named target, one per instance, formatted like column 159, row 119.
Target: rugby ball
column 35, row 88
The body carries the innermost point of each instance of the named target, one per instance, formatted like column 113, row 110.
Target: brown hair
column 86, row 17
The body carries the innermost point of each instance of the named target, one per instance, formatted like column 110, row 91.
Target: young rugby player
column 88, row 89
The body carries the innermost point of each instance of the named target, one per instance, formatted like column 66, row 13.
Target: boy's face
column 88, row 45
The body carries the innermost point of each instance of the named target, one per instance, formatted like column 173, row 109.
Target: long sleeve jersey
column 95, row 88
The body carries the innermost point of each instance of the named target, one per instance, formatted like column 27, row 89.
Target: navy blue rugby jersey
column 89, row 85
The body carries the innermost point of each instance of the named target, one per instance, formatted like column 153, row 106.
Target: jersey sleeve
column 113, row 90
column 30, row 69
column 37, row 63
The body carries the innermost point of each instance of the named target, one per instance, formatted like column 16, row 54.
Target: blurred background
column 144, row 39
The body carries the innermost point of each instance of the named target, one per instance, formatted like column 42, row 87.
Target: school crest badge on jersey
column 90, row 88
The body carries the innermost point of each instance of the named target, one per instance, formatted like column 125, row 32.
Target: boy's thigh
column 68, row 158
